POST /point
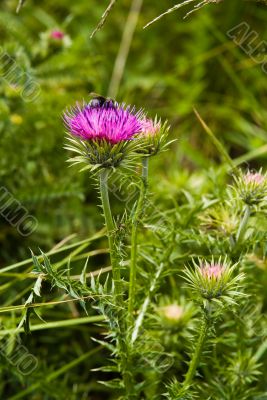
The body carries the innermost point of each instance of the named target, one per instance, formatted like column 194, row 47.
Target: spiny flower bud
column 153, row 135
column 214, row 281
column 252, row 187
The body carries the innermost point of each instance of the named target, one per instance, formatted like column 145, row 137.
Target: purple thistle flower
column 109, row 121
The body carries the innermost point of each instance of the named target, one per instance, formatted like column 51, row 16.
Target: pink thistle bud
column 214, row 280
column 153, row 135
column 57, row 35
column 150, row 128
column 254, row 178
column 212, row 271
column 251, row 187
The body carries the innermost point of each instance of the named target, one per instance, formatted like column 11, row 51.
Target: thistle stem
column 115, row 263
column 135, row 223
column 103, row 183
column 243, row 224
column 197, row 353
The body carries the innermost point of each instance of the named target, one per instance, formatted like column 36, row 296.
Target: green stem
column 197, row 353
column 115, row 261
column 243, row 224
column 135, row 223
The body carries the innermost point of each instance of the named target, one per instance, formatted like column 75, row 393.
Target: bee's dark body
column 100, row 101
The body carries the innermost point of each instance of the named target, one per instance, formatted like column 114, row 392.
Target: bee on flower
column 103, row 133
column 106, row 134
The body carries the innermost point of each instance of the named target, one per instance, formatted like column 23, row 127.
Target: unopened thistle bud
column 214, row 281
column 153, row 135
column 252, row 187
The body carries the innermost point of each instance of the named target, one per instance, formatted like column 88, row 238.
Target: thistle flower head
column 109, row 121
column 251, row 187
column 103, row 133
column 214, row 281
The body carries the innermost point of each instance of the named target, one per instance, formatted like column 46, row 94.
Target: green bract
column 100, row 154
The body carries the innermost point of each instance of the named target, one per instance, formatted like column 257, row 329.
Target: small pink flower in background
column 111, row 122
column 172, row 312
column 150, row 128
column 57, row 35
column 212, row 271
column 254, row 178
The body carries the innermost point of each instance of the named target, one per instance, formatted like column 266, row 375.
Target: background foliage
column 173, row 66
